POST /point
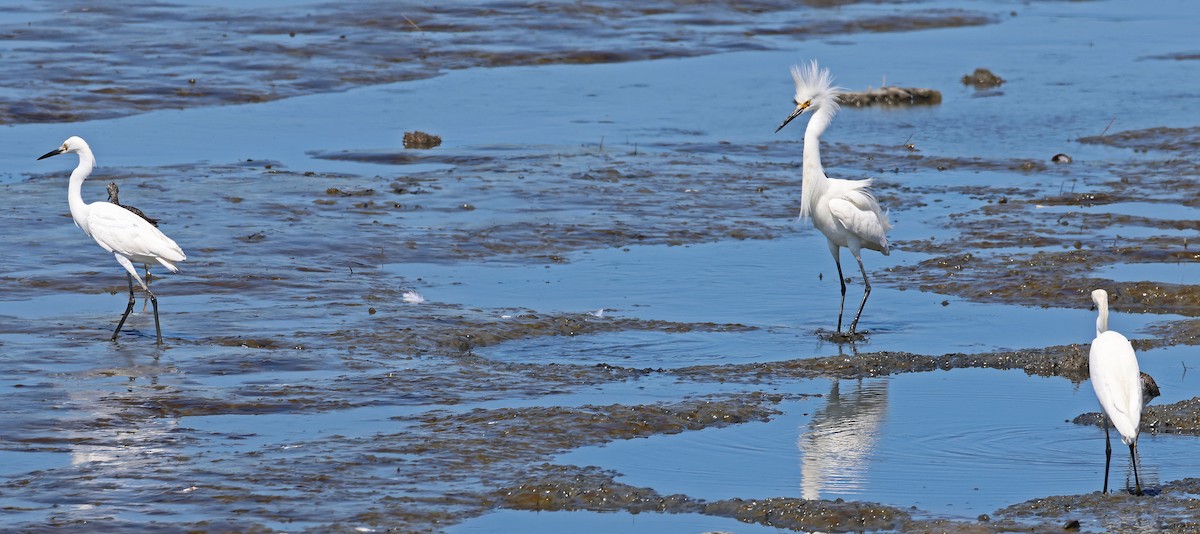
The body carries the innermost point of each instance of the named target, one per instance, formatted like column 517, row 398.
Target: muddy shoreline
column 268, row 54
column 300, row 390
column 461, row 449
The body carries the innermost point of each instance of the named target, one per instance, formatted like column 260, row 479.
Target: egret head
column 1099, row 299
column 72, row 144
column 814, row 91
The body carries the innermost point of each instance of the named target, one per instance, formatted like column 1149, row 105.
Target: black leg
column 157, row 328
column 841, row 280
column 866, row 293
column 128, row 308
column 1107, row 452
column 1137, row 484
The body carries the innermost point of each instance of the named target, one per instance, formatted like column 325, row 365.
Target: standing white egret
column 127, row 236
column 1119, row 387
column 843, row 210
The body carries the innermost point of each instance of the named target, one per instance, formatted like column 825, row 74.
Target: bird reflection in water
column 836, row 449
column 120, row 451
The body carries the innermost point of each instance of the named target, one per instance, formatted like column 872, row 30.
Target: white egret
column 843, row 210
column 128, row 237
column 1119, row 386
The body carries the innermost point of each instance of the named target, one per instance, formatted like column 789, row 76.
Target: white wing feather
column 123, row 232
column 860, row 214
column 1117, row 380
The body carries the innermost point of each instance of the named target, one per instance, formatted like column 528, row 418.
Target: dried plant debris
column 419, row 139
column 892, row 96
column 982, row 79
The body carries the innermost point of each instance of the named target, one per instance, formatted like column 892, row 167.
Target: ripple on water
column 27, row 462
column 65, row 306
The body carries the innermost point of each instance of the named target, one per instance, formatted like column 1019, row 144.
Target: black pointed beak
column 54, row 152
column 799, row 110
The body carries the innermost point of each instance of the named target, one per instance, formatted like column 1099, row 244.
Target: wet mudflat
column 620, row 318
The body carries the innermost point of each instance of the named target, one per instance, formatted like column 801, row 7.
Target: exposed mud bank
column 58, row 71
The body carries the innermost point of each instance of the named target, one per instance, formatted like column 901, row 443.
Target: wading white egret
column 1119, row 386
column 128, row 237
column 843, row 210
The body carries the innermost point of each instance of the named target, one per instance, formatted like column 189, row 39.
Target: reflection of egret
column 120, row 453
column 1115, row 377
column 121, row 447
column 128, row 237
column 842, row 434
column 843, row 210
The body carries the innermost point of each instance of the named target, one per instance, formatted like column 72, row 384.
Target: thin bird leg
column 128, row 308
column 837, row 258
column 1107, row 452
column 147, row 279
column 129, row 268
column 157, row 328
column 866, row 293
column 1137, row 484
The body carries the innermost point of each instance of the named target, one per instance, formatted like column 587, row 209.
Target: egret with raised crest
column 844, row 210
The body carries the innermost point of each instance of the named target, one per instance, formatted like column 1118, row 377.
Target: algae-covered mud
column 591, row 306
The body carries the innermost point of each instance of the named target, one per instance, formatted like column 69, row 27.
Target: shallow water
column 586, row 234
column 904, row 441
column 1170, row 273
column 631, row 282
column 1158, row 210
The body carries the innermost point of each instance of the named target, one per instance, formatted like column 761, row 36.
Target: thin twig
column 410, row 21
column 1110, row 123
